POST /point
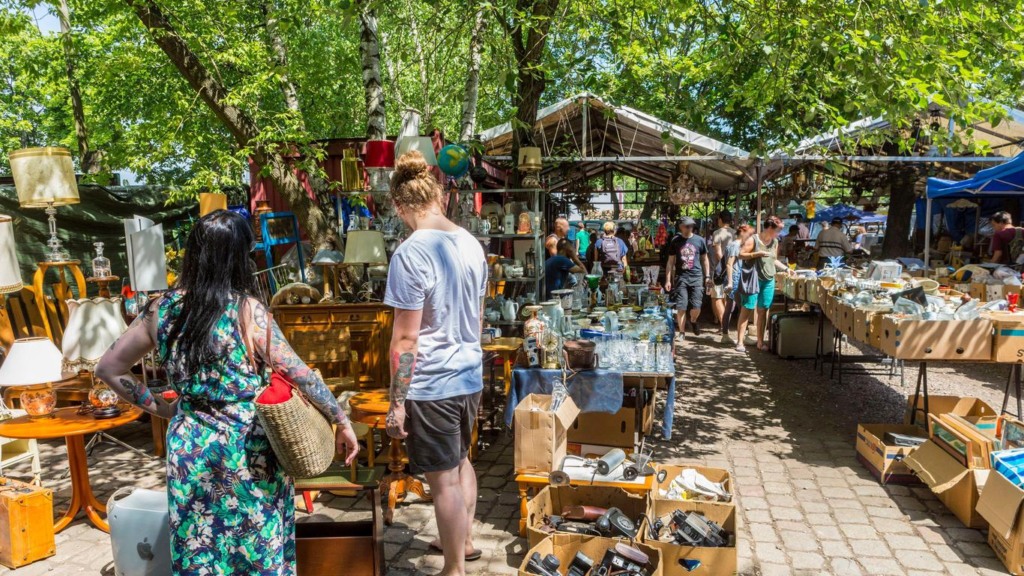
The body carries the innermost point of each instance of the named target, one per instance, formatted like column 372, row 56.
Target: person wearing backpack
column 611, row 251
column 1008, row 240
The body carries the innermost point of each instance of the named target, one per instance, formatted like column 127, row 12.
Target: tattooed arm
column 114, row 368
column 404, row 347
column 286, row 362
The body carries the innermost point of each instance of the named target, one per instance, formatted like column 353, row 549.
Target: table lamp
column 93, row 326
column 366, row 247
column 421, row 143
column 33, row 364
column 10, row 274
column 45, row 178
column 379, row 161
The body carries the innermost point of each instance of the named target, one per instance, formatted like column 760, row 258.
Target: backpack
column 1016, row 245
column 610, row 254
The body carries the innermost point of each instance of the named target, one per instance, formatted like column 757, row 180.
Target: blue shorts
column 763, row 298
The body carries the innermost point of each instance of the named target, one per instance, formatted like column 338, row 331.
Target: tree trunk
column 609, row 185
column 280, row 52
column 421, row 56
column 241, row 126
column 369, row 51
column 901, row 208
column 472, row 94
column 529, row 48
column 90, row 163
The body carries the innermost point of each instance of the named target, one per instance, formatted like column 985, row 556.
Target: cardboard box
column 992, row 292
column 1008, row 341
column 867, row 326
column 713, row 561
column 552, row 500
column 593, row 450
column 955, row 485
column 619, row 429
column 565, row 546
column 541, row 435
column 961, row 440
column 885, row 461
column 967, row 406
column 844, row 312
column 999, row 505
column 672, row 471
column 906, row 339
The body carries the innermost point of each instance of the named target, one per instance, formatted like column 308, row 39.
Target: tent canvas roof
column 1002, row 180
column 591, row 128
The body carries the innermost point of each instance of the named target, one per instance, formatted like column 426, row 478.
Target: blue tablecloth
column 591, row 390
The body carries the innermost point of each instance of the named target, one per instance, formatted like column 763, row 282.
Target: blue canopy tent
column 998, row 181
column 842, row 211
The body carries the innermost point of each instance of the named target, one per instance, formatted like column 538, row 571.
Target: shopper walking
column 559, row 230
column 732, row 266
column 688, row 265
column 720, row 240
column 436, row 284
column 231, row 504
column 582, row 240
column 611, row 252
column 558, row 268
column 761, row 251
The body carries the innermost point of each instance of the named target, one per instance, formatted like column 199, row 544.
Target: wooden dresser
column 368, row 325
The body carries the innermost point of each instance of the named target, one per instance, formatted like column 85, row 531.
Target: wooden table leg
column 397, row 483
column 81, row 491
column 508, row 373
column 523, row 512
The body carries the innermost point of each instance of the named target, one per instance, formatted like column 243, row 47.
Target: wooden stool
column 371, row 408
column 506, row 348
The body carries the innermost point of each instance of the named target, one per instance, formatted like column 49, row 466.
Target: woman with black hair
column 231, row 504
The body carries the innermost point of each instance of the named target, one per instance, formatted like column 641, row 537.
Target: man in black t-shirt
column 686, row 275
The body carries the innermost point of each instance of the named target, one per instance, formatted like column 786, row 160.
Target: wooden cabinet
column 368, row 328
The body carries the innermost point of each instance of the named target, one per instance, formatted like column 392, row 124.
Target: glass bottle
column 100, row 264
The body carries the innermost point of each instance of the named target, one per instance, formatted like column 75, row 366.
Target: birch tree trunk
column 280, row 52
column 369, row 50
column 421, row 57
column 89, row 160
column 472, row 94
column 238, row 123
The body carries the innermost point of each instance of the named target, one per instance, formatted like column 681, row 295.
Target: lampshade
column 422, row 143
column 379, row 154
column 44, row 176
column 30, row 362
column 365, row 247
column 529, row 157
column 328, row 257
column 351, row 174
column 94, row 325
column 211, row 202
column 10, row 274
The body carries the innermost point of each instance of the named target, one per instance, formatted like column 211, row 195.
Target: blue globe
column 453, row 160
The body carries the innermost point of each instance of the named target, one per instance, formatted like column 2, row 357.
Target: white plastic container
column 140, row 532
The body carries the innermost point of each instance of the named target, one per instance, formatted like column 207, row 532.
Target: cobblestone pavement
column 786, row 433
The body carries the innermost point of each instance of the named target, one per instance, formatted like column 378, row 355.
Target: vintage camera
column 543, row 566
column 580, row 566
column 693, row 529
column 622, row 560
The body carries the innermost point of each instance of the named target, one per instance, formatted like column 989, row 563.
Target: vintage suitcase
column 26, row 523
column 794, row 335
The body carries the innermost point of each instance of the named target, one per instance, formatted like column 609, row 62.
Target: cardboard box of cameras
column 565, row 547
column 554, row 500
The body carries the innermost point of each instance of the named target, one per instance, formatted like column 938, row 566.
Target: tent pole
column 927, row 231
column 760, row 182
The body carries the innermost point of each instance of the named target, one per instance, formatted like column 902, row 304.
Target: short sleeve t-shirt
column 720, row 237
column 732, row 250
column 556, row 272
column 445, row 275
column 1001, row 243
column 688, row 252
column 584, row 239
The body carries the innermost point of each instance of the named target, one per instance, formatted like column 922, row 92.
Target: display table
column 506, row 348
column 68, row 424
column 371, row 408
column 597, row 390
column 534, row 483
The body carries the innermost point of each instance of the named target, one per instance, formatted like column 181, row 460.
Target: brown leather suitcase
column 26, row 523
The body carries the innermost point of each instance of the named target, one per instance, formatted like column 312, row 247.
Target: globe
column 453, row 160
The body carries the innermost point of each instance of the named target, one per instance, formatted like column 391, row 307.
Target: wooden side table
column 68, row 424
column 371, row 408
column 506, row 348
column 102, row 284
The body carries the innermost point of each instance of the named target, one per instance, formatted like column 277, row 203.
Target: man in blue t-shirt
column 558, row 267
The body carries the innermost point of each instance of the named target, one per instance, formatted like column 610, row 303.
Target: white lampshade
column 94, row 325
column 328, row 257
column 365, row 247
column 10, row 273
column 30, row 362
column 44, row 176
column 421, row 143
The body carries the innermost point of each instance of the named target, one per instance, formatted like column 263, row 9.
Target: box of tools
column 583, row 509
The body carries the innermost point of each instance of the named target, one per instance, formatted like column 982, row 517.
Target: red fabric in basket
column 278, row 392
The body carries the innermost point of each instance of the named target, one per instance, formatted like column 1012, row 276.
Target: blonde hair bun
column 413, row 185
column 411, row 165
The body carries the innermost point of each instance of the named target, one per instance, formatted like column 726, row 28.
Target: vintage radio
column 26, row 523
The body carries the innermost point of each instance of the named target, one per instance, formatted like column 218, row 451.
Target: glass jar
column 100, row 264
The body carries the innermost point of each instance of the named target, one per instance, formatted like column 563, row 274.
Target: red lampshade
column 379, row 154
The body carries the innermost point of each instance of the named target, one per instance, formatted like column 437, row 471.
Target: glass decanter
column 100, row 264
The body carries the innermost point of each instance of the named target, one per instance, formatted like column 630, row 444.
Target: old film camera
column 620, row 560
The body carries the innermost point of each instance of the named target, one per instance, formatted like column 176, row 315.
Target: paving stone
column 807, row 560
column 798, row 541
column 918, row 560
column 835, row 549
column 872, row 548
column 844, row 566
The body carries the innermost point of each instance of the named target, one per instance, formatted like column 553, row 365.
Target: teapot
column 509, row 310
column 492, row 315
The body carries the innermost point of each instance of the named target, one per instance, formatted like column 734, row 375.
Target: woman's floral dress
column 232, row 508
